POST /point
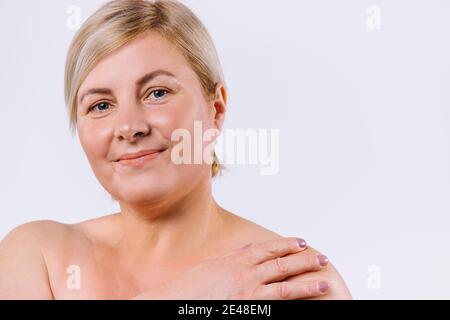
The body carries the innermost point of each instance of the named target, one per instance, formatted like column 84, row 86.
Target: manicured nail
column 301, row 243
column 323, row 286
column 323, row 260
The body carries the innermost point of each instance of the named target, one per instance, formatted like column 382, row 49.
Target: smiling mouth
column 141, row 160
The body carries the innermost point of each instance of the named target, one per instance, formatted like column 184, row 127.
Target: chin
column 144, row 192
column 140, row 189
column 141, row 198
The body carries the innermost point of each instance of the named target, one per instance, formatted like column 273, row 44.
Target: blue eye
column 157, row 93
column 101, row 106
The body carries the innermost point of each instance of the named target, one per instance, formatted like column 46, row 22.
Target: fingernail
column 323, row 260
column 323, row 286
column 301, row 243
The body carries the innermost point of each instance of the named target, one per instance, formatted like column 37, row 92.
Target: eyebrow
column 139, row 83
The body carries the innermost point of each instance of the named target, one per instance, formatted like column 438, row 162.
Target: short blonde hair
column 118, row 22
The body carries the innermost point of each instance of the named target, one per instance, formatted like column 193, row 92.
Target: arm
column 23, row 272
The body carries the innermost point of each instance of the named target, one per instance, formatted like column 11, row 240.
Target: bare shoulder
column 34, row 257
column 244, row 231
column 43, row 234
column 23, row 269
column 254, row 233
column 34, row 234
column 38, row 229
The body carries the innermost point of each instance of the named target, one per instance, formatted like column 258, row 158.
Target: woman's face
column 133, row 100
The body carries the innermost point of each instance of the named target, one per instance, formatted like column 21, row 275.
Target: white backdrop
column 358, row 89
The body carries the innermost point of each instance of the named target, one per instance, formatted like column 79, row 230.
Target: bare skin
column 168, row 219
column 41, row 252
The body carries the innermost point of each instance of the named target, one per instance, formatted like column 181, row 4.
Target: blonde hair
column 120, row 21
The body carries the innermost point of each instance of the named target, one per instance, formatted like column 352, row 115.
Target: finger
column 291, row 265
column 291, row 290
column 271, row 249
column 313, row 275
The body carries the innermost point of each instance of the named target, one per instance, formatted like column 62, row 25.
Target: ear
column 219, row 106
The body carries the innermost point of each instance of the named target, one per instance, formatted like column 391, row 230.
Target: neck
column 165, row 231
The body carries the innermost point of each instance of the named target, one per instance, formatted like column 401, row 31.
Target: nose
column 131, row 124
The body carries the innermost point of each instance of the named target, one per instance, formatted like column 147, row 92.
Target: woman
column 139, row 74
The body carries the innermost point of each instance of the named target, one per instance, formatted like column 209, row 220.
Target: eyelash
column 103, row 102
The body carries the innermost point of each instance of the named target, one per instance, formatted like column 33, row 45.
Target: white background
column 363, row 117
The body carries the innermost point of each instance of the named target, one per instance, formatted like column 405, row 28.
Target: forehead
column 149, row 52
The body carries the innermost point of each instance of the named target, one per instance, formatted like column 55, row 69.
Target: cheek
column 94, row 140
column 181, row 114
column 194, row 119
column 184, row 112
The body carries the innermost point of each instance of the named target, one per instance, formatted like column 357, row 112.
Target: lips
column 137, row 155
